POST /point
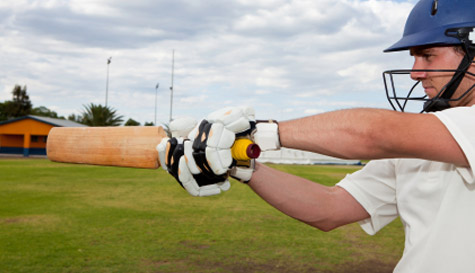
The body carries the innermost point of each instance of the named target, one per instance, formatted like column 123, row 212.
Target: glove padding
column 212, row 147
column 263, row 133
column 242, row 170
column 201, row 162
column 241, row 121
column 176, row 156
column 266, row 135
column 182, row 126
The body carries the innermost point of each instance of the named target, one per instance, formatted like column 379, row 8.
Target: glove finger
column 169, row 150
column 224, row 186
column 194, row 132
column 175, row 152
column 200, row 141
column 249, row 112
column 162, row 152
column 219, row 160
column 221, row 114
column 240, row 125
column 190, row 160
column 189, row 181
column 220, row 137
column 181, row 127
column 199, row 147
column 209, row 190
column 235, row 119
column 211, row 160
column 186, row 178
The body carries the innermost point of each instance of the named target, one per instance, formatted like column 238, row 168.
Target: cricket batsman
column 422, row 164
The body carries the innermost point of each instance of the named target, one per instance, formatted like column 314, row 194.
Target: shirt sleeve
column 374, row 187
column 460, row 121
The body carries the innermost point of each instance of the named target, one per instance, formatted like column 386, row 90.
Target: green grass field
column 74, row 218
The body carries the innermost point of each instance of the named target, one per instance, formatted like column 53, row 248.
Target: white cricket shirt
column 435, row 201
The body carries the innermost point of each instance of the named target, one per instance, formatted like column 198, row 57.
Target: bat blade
column 129, row 146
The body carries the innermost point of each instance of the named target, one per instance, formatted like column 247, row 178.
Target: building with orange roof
column 28, row 135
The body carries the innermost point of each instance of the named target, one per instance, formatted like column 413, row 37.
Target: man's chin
column 430, row 92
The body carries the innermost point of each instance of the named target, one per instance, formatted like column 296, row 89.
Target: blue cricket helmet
column 429, row 21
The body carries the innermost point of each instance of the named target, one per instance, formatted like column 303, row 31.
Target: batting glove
column 241, row 120
column 176, row 156
column 200, row 162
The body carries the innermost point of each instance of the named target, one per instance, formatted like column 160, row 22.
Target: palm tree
column 131, row 122
column 19, row 106
column 166, row 128
column 98, row 115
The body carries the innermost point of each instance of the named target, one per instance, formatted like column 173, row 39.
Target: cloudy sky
column 286, row 58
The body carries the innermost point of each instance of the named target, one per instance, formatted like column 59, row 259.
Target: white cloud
column 269, row 54
column 371, row 72
column 271, row 77
column 263, row 92
column 94, row 7
column 313, row 111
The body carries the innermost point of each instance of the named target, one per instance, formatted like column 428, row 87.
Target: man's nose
column 418, row 75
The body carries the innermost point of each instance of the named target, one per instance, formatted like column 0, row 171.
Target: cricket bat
column 128, row 146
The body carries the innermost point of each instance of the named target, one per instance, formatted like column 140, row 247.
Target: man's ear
column 471, row 69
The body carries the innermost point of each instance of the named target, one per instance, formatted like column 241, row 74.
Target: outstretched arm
column 353, row 134
column 373, row 134
column 320, row 206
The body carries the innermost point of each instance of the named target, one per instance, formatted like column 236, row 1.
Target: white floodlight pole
column 156, row 92
column 107, row 80
column 171, row 87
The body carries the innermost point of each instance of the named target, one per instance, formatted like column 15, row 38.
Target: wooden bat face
column 129, row 146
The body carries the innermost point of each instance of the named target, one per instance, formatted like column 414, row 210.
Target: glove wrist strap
column 266, row 135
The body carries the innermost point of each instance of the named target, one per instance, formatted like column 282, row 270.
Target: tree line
column 92, row 114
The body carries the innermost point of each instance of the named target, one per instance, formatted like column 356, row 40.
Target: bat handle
column 245, row 149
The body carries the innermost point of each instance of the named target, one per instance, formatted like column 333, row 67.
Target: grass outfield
column 74, row 218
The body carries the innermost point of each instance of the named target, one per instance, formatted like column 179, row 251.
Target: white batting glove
column 229, row 122
column 241, row 122
column 176, row 157
column 200, row 163
column 264, row 134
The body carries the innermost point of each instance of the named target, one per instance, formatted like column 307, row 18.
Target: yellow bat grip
column 245, row 149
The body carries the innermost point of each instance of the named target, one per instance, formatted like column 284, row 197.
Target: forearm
column 351, row 134
column 367, row 133
column 317, row 205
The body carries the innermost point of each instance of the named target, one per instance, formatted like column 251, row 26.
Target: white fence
column 292, row 156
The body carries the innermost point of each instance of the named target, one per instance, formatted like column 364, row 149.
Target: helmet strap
column 441, row 101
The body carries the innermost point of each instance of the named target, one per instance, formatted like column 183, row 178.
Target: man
column 422, row 168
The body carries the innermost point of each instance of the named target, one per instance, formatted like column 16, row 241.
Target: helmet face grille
column 406, row 95
column 402, row 93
